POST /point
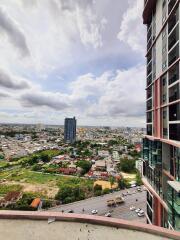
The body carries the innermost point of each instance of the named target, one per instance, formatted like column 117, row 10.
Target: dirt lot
column 49, row 191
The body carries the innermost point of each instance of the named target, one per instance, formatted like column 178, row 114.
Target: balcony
column 149, row 129
column 149, row 44
column 149, row 117
column 149, row 79
column 15, row 225
column 149, row 68
column 173, row 200
column 149, row 105
column 173, row 55
column 174, row 132
column 174, row 93
column 173, row 20
column 173, row 37
column 174, row 74
column 149, row 6
column 149, row 33
column 171, row 5
column 174, row 112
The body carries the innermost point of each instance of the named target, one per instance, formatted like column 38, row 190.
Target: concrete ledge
column 95, row 220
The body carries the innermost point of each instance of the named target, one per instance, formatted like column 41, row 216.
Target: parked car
column 108, row 214
column 133, row 185
column 140, row 214
column 94, row 211
column 139, row 189
column 132, row 208
column 138, row 210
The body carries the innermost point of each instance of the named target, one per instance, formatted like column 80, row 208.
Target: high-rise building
column 70, row 130
column 161, row 145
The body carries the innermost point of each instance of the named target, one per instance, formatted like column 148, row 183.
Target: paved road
column 121, row 211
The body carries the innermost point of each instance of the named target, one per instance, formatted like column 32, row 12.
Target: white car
column 108, row 214
column 139, row 189
column 140, row 214
column 94, row 211
column 133, row 185
column 132, row 208
column 138, row 210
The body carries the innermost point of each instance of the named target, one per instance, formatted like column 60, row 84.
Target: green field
column 27, row 176
column 20, row 177
column 3, row 163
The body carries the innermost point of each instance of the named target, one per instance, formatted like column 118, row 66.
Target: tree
column 127, row 165
column 112, row 142
column 112, row 181
column 87, row 153
column 97, row 190
column 36, row 167
column 45, row 158
column 85, row 165
column 67, row 194
column 32, row 160
column 97, row 187
column 106, row 191
column 123, row 183
column 135, row 154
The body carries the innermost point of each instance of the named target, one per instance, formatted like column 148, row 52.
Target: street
column 122, row 211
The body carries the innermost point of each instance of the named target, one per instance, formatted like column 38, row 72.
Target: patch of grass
column 27, row 176
column 3, row 164
column 74, row 182
column 4, row 188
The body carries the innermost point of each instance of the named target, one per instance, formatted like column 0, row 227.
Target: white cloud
column 15, row 35
column 132, row 30
column 114, row 95
column 8, row 80
column 56, row 101
column 90, row 28
column 64, row 37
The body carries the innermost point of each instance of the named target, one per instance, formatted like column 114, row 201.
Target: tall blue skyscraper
column 70, row 130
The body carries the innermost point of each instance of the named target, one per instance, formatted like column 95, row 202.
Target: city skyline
column 103, row 62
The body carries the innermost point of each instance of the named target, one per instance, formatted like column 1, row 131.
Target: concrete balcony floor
column 21, row 225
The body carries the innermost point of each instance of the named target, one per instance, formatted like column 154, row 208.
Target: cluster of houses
column 103, row 164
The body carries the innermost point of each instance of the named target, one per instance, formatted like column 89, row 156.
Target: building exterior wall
column 70, row 130
column 161, row 148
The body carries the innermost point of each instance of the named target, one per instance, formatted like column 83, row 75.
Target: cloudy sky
column 82, row 58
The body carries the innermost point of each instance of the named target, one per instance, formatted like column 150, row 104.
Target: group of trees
column 127, row 165
column 99, row 191
column 85, row 165
column 68, row 194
